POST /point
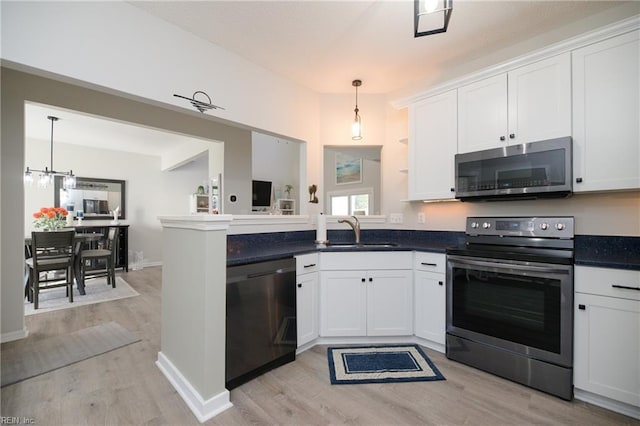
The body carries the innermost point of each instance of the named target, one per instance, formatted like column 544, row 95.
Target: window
column 347, row 203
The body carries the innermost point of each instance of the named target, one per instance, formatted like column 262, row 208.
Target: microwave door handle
column 528, row 268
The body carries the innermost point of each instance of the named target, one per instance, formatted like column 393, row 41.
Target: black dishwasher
column 261, row 319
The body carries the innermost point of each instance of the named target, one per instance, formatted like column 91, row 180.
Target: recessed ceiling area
column 77, row 128
column 324, row 45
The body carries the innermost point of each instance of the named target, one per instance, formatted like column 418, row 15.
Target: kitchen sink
column 362, row 245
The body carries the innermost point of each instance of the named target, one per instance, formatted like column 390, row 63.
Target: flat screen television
column 261, row 194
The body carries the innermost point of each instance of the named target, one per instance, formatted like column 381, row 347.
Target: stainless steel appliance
column 530, row 170
column 510, row 300
column 261, row 319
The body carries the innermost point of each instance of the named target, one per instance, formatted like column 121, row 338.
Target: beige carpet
column 50, row 354
column 97, row 291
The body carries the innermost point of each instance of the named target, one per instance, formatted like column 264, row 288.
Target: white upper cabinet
column 482, row 114
column 432, row 146
column 528, row 104
column 606, row 114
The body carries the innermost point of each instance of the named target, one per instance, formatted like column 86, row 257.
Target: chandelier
column 46, row 176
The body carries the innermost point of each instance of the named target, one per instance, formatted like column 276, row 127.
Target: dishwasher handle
column 276, row 272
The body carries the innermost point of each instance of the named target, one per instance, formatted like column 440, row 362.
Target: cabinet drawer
column 366, row 260
column 430, row 262
column 620, row 283
column 307, row 263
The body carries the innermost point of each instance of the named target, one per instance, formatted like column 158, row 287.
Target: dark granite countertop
column 590, row 250
column 250, row 248
column 607, row 251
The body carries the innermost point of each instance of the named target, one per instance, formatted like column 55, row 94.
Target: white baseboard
column 608, row 403
column 14, row 335
column 203, row 410
column 369, row 340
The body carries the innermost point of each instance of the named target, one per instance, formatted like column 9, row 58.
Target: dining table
column 80, row 241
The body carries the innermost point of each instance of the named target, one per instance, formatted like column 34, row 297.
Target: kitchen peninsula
column 198, row 250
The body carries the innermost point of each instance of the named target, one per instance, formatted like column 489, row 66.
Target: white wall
column 276, row 160
column 371, row 172
column 150, row 191
column 119, row 46
column 336, row 117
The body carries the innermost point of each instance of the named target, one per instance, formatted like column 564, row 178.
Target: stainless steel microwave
column 540, row 169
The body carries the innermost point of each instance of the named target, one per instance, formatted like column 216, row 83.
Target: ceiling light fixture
column 356, row 127
column 46, row 175
column 431, row 16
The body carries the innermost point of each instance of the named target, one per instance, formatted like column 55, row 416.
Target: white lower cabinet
column 307, row 298
column 343, row 303
column 430, row 306
column 389, row 307
column 366, row 302
column 607, row 333
column 429, row 296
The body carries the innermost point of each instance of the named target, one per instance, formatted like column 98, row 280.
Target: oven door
column 522, row 307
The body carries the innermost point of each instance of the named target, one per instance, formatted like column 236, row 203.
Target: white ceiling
column 324, row 45
column 78, row 128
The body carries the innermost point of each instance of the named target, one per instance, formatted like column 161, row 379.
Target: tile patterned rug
column 380, row 364
column 97, row 291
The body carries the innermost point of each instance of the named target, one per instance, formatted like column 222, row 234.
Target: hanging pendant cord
column 52, row 119
column 356, row 99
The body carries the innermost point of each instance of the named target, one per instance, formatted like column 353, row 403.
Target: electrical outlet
column 395, row 218
column 421, row 218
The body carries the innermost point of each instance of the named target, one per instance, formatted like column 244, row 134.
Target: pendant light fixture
column 356, row 127
column 431, row 16
column 46, row 176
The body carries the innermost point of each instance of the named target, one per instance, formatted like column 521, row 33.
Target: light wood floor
column 124, row 387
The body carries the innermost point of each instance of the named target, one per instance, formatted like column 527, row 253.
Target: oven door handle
column 520, row 267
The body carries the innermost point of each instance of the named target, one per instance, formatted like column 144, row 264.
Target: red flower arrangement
column 50, row 218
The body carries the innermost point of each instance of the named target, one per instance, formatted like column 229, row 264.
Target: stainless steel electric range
column 510, row 300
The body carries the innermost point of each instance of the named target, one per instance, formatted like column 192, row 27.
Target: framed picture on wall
column 348, row 169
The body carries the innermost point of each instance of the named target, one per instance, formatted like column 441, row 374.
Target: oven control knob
column 486, row 225
column 474, row 225
column 559, row 226
column 544, row 226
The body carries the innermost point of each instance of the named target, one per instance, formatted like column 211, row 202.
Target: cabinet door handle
column 299, row 285
column 311, row 265
column 428, row 264
column 370, row 279
column 363, row 280
column 582, row 307
column 626, row 287
column 512, row 136
column 440, row 282
column 452, row 189
column 502, row 138
column 578, row 180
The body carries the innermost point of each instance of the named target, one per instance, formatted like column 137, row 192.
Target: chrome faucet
column 354, row 225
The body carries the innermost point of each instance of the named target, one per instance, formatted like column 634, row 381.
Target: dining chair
column 91, row 256
column 51, row 251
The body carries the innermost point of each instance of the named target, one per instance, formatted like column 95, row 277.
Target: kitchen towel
column 321, row 232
